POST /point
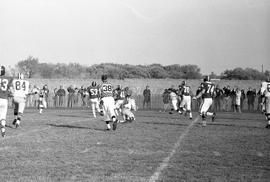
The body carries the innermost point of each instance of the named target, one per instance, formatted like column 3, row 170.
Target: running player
column 185, row 105
column 264, row 86
column 5, row 89
column 94, row 97
column 43, row 93
column 266, row 102
column 174, row 99
column 21, row 91
column 108, row 104
column 207, row 94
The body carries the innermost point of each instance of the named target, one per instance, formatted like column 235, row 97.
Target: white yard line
column 166, row 160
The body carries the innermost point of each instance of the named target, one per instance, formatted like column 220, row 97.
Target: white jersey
column 263, row 87
column 21, row 87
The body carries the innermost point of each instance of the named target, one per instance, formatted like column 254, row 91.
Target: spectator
column 233, row 99
column 84, row 96
column 251, row 98
column 76, row 97
column 55, row 98
column 147, row 98
column 71, row 92
column 227, row 93
column 243, row 97
column 46, row 94
column 61, row 93
column 35, row 92
column 218, row 98
column 166, row 100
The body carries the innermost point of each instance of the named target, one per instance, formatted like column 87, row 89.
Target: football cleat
column 190, row 118
column 3, row 134
column 101, row 113
column 14, row 122
column 214, row 117
column 115, row 124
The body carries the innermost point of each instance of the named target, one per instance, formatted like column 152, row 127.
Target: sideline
column 166, row 160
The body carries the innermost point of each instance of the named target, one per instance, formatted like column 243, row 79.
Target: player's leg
column 16, row 110
column 106, row 113
column 3, row 115
column 93, row 106
column 110, row 109
column 188, row 106
column 20, row 112
column 40, row 105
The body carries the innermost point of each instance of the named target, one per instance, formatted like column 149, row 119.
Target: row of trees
column 32, row 68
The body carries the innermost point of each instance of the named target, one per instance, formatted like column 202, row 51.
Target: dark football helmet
column 104, row 78
column 267, row 79
column 94, row 83
column 184, row 83
column 206, row 79
column 3, row 71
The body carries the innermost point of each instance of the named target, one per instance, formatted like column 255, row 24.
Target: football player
column 5, row 89
column 186, row 94
column 94, row 97
column 20, row 92
column 119, row 95
column 207, row 94
column 108, row 104
column 264, row 86
column 266, row 102
column 43, row 93
column 174, row 99
column 127, row 106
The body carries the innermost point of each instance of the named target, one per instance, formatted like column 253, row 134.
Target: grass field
column 69, row 145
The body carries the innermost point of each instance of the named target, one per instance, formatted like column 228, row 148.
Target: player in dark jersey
column 106, row 93
column 5, row 90
column 43, row 95
column 119, row 95
column 186, row 94
column 93, row 91
column 207, row 93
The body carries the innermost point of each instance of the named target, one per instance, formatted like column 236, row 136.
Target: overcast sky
column 213, row 34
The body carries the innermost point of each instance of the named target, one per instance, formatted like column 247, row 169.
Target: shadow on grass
column 163, row 123
column 72, row 116
column 231, row 125
column 76, row 127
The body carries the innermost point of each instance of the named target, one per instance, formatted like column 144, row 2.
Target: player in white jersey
column 266, row 103
column 108, row 103
column 174, row 99
column 20, row 92
column 186, row 95
column 263, row 88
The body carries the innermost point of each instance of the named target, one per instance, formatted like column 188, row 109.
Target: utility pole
column 262, row 68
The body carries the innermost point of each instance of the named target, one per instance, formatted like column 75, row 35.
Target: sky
column 214, row 34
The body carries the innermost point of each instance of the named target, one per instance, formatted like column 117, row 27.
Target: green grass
column 69, row 145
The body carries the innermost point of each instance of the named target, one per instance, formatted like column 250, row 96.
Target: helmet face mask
column 20, row 76
column 94, row 83
column 3, row 71
column 206, row 79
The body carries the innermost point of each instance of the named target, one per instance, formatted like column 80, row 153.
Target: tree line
column 32, row 68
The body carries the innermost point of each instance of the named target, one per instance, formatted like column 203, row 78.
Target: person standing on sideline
column 218, row 98
column 147, row 97
column 71, row 92
column 61, row 95
column 238, row 94
column 166, row 100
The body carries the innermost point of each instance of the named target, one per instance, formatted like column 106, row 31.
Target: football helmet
column 104, row 78
column 20, row 76
column 94, row 83
column 206, row 78
column 3, row 71
column 184, row 83
column 267, row 79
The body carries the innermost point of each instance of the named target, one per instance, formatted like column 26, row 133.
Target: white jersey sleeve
column 263, row 87
column 21, row 87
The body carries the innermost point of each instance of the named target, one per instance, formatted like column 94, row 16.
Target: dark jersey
column 93, row 92
column 5, row 84
column 186, row 90
column 119, row 94
column 106, row 90
column 208, row 89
